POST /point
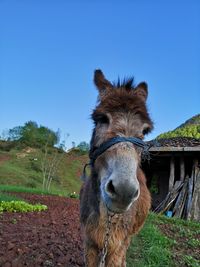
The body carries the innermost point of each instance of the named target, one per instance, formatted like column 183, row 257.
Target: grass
column 165, row 242
column 7, row 198
column 21, row 189
column 150, row 248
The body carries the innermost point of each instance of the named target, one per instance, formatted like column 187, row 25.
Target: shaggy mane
column 127, row 83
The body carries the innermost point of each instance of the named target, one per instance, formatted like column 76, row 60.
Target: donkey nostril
column 110, row 188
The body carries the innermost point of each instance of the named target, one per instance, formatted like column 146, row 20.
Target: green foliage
column 154, row 185
column 192, row 121
column 192, row 131
column 33, row 135
column 20, row 206
column 7, row 197
column 150, row 248
column 73, row 195
column 190, row 261
column 84, row 146
column 23, row 189
column 7, row 145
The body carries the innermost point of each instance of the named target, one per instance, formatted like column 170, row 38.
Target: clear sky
column 49, row 50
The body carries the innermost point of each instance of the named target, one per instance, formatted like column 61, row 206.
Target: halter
column 112, row 141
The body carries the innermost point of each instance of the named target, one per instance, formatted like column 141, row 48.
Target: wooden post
column 172, row 173
column 182, row 169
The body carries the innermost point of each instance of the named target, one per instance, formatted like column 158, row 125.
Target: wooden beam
column 172, row 173
column 172, row 148
column 182, row 169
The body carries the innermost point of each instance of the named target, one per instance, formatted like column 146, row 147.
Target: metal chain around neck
column 103, row 253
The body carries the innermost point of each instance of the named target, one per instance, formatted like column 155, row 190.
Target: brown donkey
column 114, row 200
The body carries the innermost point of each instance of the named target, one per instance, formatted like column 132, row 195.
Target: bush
column 7, row 145
column 20, row 206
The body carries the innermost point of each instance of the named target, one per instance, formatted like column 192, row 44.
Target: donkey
column 114, row 199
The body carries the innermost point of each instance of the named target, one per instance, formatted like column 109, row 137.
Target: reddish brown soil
column 4, row 158
column 49, row 238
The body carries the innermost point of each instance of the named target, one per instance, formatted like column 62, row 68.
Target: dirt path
column 50, row 238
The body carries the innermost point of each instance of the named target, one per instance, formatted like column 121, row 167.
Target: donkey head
column 121, row 111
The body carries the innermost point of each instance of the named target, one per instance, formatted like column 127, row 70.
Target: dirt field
column 50, row 238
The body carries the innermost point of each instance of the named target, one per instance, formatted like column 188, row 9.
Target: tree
column 33, row 135
column 84, row 146
column 15, row 133
column 73, row 144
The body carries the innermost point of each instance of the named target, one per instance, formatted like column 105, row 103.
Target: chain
column 104, row 251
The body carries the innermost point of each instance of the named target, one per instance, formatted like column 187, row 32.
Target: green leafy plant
column 20, row 206
column 190, row 261
column 154, row 185
column 74, row 195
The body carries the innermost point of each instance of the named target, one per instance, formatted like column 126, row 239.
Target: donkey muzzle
column 119, row 196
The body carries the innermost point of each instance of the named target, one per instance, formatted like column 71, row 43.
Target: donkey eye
column 101, row 118
column 146, row 130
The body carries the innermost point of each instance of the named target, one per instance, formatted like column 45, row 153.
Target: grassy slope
column 18, row 169
column 190, row 128
column 165, row 242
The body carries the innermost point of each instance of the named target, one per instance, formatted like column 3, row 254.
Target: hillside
column 23, row 167
column 190, row 128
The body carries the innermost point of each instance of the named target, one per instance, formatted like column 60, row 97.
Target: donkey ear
column 142, row 91
column 101, row 83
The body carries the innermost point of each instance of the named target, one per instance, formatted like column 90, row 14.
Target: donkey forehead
column 129, row 124
column 128, row 119
column 122, row 100
column 122, row 111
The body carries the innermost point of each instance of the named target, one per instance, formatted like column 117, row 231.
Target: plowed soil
column 49, row 238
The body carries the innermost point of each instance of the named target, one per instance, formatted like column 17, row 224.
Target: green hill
column 190, row 128
column 25, row 168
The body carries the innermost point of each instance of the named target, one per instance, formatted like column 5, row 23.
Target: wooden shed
column 173, row 172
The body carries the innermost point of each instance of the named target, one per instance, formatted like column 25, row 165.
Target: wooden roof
column 175, row 144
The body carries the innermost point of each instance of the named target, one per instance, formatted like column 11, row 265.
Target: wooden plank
column 195, row 209
column 177, row 203
column 182, row 169
column 162, row 204
column 195, row 169
column 171, row 197
column 181, row 200
column 189, row 198
column 172, row 173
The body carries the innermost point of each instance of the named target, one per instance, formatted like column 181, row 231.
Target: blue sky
column 49, row 50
